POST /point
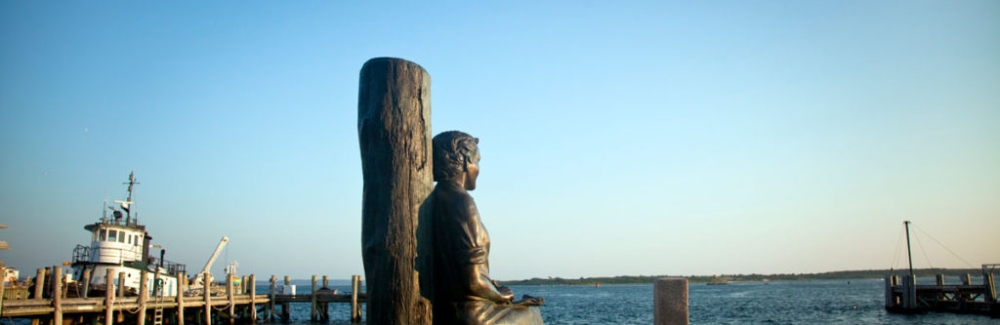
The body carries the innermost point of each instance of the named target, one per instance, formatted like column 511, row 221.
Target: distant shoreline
column 837, row 275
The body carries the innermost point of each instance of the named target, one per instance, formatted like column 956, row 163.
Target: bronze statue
column 463, row 290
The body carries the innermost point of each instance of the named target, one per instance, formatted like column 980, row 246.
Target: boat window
column 130, row 239
column 104, row 234
column 121, row 238
column 93, row 236
column 112, row 235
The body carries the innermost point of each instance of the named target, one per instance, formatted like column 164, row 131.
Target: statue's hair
column 451, row 151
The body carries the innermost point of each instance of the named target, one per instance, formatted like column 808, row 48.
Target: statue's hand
column 506, row 295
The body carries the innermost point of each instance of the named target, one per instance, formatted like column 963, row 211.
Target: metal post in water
column 909, row 254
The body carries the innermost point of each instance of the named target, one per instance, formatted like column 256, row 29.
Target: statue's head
column 456, row 153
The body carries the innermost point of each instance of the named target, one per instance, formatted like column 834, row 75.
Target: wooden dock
column 221, row 303
column 904, row 295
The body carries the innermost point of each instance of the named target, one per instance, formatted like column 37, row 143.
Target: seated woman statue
column 463, row 290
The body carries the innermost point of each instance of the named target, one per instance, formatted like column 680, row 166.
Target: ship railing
column 81, row 254
column 990, row 268
column 169, row 266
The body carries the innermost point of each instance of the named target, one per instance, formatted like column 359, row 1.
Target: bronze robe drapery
column 463, row 290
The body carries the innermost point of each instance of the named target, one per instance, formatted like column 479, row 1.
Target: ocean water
column 795, row 302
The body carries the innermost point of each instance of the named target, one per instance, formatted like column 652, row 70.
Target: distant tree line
column 837, row 275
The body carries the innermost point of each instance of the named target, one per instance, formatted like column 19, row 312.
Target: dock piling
column 40, row 284
column 253, row 298
column 207, row 295
column 121, row 284
column 143, row 296
column 3, row 272
column 57, row 294
column 270, row 300
column 229, row 295
column 85, row 290
column 109, row 298
column 670, row 302
column 313, row 311
column 355, row 309
column 182, row 284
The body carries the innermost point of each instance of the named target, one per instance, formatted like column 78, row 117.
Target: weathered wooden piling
column 121, row 284
column 231, row 310
column 270, row 294
column 394, row 131
column 86, row 283
column 207, row 295
column 285, row 313
column 40, row 284
column 355, row 308
column 253, row 298
column 57, row 297
column 181, row 288
column 143, row 295
column 109, row 298
column 670, row 301
column 313, row 311
column 3, row 272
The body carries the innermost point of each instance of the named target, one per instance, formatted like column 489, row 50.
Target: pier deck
column 905, row 296
column 225, row 303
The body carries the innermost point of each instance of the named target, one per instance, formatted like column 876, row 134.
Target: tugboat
column 122, row 245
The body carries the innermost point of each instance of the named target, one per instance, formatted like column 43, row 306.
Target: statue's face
column 471, row 173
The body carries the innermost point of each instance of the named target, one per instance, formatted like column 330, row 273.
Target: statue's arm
column 480, row 283
column 478, row 272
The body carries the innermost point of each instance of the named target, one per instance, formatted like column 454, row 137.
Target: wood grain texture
column 394, row 132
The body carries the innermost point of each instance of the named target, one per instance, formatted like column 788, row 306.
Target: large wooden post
column 207, row 293
column 270, row 298
column 355, row 309
column 121, row 284
column 3, row 283
column 394, row 129
column 40, row 284
column 86, row 282
column 314, row 311
column 229, row 297
column 57, row 294
column 670, row 301
column 143, row 296
column 252, row 280
column 182, row 283
column 109, row 298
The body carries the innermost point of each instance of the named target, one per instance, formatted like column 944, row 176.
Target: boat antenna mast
column 909, row 254
column 127, row 205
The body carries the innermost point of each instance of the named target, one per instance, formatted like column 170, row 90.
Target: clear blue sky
column 618, row 138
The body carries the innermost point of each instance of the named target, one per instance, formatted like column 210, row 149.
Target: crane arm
column 222, row 243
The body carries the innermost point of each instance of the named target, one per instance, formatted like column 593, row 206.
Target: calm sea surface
column 796, row 302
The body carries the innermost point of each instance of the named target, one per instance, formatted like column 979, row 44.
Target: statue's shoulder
column 454, row 199
column 448, row 192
